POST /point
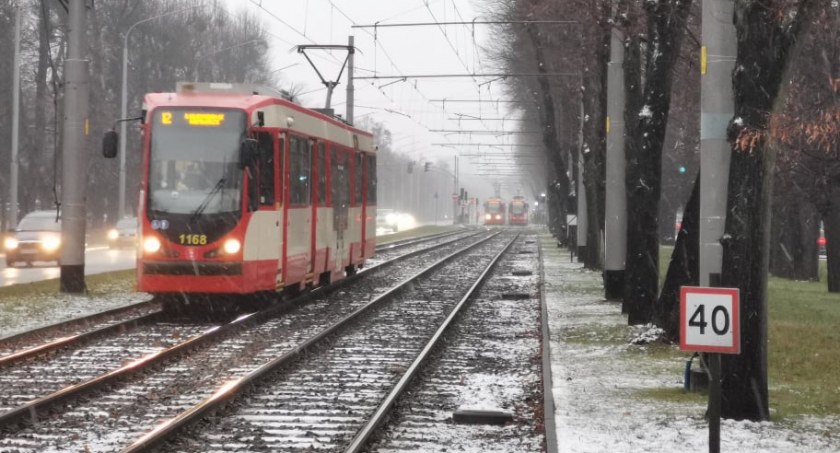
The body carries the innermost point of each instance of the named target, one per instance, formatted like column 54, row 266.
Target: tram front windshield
column 493, row 207
column 194, row 164
column 517, row 208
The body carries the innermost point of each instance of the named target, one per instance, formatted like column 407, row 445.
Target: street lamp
column 124, row 104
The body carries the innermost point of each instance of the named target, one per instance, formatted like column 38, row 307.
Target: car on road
column 388, row 220
column 36, row 238
column 123, row 234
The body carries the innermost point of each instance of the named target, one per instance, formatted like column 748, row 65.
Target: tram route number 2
column 710, row 320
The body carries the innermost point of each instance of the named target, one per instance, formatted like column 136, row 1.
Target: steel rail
column 64, row 341
column 231, row 389
column 414, row 241
column 89, row 319
column 382, row 412
column 31, row 409
column 77, row 339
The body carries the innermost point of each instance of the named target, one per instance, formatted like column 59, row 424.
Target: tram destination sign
column 710, row 320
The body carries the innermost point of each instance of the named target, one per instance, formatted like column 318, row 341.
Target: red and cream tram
column 244, row 193
column 518, row 211
column 494, row 211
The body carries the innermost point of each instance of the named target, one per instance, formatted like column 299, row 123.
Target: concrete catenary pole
column 351, row 52
column 616, row 198
column 717, row 106
column 73, row 175
column 13, row 177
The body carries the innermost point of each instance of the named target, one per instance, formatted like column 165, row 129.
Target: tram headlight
column 151, row 244
column 10, row 243
column 232, row 246
column 487, row 216
column 51, row 243
column 113, row 234
column 498, row 217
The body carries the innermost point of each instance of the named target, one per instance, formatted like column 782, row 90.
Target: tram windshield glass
column 493, row 207
column 517, row 208
column 194, row 164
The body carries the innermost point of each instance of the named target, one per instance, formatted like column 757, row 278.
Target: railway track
column 76, row 331
column 332, row 391
column 223, row 350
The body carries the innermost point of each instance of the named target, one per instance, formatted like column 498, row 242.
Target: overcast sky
column 405, row 107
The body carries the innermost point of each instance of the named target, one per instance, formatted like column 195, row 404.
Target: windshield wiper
column 206, row 202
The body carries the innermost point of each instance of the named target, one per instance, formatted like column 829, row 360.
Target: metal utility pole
column 73, row 175
column 13, row 177
column 351, row 49
column 717, row 106
column 616, row 197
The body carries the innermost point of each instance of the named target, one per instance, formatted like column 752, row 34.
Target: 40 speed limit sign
column 710, row 320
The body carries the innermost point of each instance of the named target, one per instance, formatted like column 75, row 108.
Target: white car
column 387, row 219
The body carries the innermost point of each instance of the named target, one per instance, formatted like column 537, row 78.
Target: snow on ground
column 599, row 383
column 19, row 314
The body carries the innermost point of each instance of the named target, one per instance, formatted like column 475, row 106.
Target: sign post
column 710, row 323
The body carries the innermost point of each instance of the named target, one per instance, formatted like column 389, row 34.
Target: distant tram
column 494, row 211
column 245, row 193
column 518, row 211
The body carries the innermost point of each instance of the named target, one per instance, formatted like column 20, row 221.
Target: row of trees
column 786, row 85
column 191, row 40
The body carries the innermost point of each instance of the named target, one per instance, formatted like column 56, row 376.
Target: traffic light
column 681, row 169
column 411, row 167
column 426, row 166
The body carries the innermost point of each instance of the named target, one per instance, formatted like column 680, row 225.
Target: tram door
column 340, row 201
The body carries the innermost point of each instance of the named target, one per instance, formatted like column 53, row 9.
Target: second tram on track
column 518, row 211
column 247, row 193
column 494, row 211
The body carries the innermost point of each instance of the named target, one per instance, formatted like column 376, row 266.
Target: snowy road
column 97, row 260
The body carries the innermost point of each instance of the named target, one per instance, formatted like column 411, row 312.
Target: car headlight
column 113, row 235
column 488, row 217
column 232, row 246
column 51, row 243
column 10, row 243
column 391, row 218
column 151, row 244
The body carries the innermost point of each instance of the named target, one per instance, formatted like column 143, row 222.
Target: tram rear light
column 232, row 246
column 151, row 245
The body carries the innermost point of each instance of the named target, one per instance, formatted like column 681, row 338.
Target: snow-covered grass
column 612, row 395
column 31, row 305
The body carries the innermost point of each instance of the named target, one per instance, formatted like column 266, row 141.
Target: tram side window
column 357, row 188
column 322, row 175
column 266, row 168
column 371, row 179
column 300, row 172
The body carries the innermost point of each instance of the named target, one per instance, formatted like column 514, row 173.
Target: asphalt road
column 97, row 260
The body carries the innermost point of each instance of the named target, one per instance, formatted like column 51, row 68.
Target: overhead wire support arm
column 473, row 22
column 440, row 76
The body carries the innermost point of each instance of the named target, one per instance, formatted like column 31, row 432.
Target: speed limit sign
column 710, row 320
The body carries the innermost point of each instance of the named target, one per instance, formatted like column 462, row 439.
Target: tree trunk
column 666, row 27
column 763, row 48
column 684, row 269
column 831, row 224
